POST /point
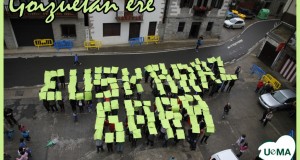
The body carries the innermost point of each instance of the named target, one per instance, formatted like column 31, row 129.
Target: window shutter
column 191, row 2
column 182, row 3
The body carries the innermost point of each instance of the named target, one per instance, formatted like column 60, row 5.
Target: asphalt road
column 30, row 71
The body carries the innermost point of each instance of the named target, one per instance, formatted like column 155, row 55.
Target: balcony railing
column 129, row 16
column 38, row 14
column 200, row 11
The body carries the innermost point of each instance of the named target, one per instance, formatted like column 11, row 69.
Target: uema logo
column 283, row 149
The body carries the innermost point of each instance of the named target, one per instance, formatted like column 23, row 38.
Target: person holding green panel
column 230, row 85
column 80, row 104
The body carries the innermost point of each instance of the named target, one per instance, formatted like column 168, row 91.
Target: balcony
column 200, row 11
column 129, row 16
column 38, row 14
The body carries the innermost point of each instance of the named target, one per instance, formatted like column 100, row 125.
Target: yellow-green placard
column 98, row 134
column 198, row 68
column 87, row 76
column 107, row 107
column 137, row 133
column 192, row 82
column 153, row 74
column 125, row 78
column 205, row 85
column 151, row 124
column 162, row 77
column 104, row 82
column 223, row 77
column 97, row 82
column 189, row 98
column 174, row 89
column 162, row 66
column 44, row 88
column 184, row 66
column 187, row 89
column 43, row 95
column 140, row 119
column 173, row 101
column 211, row 60
column 197, row 110
column 126, row 86
column 101, row 114
column 149, row 68
column 180, row 134
column 53, row 73
column 190, row 69
column 114, row 70
column 203, row 63
column 183, row 77
column 99, row 123
column 197, row 97
column 222, row 70
column 133, row 80
column 107, row 94
column 131, row 126
column 220, row 63
column 128, row 104
column 193, row 119
column 72, row 96
column 137, row 103
column 146, row 109
column 157, row 81
column 115, row 93
column 113, row 119
column 73, row 79
column 111, row 80
column 47, row 79
column 99, row 107
column 73, row 72
column 128, row 92
column 185, row 103
column 164, row 71
column 109, row 137
column 60, row 72
column 169, row 115
column 190, row 110
column 195, row 129
column 170, row 133
column 106, row 70
column 138, row 70
column 114, row 104
column 234, row 77
column 130, row 112
column 177, row 123
column 182, row 83
column 175, row 108
column 99, row 95
column 192, row 64
column 155, row 67
column 181, row 98
column 131, row 120
column 150, row 117
column 125, row 72
column 197, row 89
column 228, row 77
column 88, row 71
column 152, row 130
column 52, row 85
column 161, row 116
column 210, row 129
column 79, row 96
column 218, row 81
column 50, row 96
column 212, row 77
column 139, row 76
column 176, row 74
column 88, row 96
column 177, row 116
column 165, row 100
column 179, row 66
column 98, row 70
column 97, row 76
column 114, row 86
column 139, row 88
column 165, row 123
column 119, row 127
column 173, row 66
column 120, row 137
column 58, row 95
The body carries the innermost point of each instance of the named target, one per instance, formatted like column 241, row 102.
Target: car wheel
column 230, row 27
column 242, row 27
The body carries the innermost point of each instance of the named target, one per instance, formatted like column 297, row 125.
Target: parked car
column 278, row 100
column 230, row 15
column 227, row 154
column 234, row 23
column 248, row 13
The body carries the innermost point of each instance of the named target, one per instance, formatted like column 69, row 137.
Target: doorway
column 279, row 8
column 152, row 28
column 268, row 54
column 134, row 30
column 195, row 30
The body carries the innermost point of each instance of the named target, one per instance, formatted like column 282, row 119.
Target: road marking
column 236, row 43
column 275, row 129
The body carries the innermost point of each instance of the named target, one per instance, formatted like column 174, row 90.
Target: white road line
column 275, row 129
column 236, row 43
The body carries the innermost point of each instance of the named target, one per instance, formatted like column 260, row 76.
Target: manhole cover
column 19, row 93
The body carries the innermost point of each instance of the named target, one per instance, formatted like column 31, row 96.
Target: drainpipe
column 165, row 11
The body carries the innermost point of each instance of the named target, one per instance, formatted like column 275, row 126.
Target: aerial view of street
column 189, row 80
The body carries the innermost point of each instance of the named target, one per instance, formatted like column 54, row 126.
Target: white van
column 227, row 154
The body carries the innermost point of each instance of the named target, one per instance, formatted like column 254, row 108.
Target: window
column 205, row 3
column 86, row 19
column 209, row 26
column 68, row 30
column 181, row 26
column 186, row 3
column 217, row 3
column 111, row 29
column 199, row 3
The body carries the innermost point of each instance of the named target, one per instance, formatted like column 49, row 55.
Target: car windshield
column 279, row 97
column 233, row 20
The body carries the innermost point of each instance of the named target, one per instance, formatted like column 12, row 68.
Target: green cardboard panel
column 186, row 89
column 155, row 67
column 140, row 119
column 107, row 94
column 60, row 72
column 177, row 123
column 97, row 76
column 104, row 82
column 128, row 92
column 113, row 119
column 115, row 93
column 44, row 88
column 177, row 116
column 73, row 72
column 165, row 123
column 50, row 96
column 125, row 72
column 98, row 70
column 53, row 73
column 126, row 85
column 165, row 100
column 170, row 133
column 58, row 95
column 137, row 133
column 106, row 106
column 180, row 134
column 152, row 130
column 99, row 95
column 114, row 104
column 119, row 126
column 114, row 70
column 137, row 103
column 43, row 95
column 120, row 137
column 223, row 77
column 97, row 82
column 234, row 77
column 72, row 96
column 133, row 80
column 195, row 129
column 114, row 86
column 169, row 115
column 125, row 78
column 149, row 68
column 222, row 70
column 98, row 134
column 52, row 85
column 109, row 137
column 106, row 70
column 138, row 70
column 228, row 77
column 139, row 88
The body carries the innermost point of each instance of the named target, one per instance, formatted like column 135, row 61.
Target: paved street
column 76, row 139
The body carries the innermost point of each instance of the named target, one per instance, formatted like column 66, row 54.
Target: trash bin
column 263, row 13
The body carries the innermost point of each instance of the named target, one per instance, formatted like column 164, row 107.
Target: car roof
column 288, row 93
column 238, row 19
column 226, row 155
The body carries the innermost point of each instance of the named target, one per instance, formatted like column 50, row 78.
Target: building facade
column 279, row 48
column 20, row 32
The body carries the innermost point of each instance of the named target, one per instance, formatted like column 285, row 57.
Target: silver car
column 278, row 100
column 234, row 23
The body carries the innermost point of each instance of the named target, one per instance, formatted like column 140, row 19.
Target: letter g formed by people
column 283, row 149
